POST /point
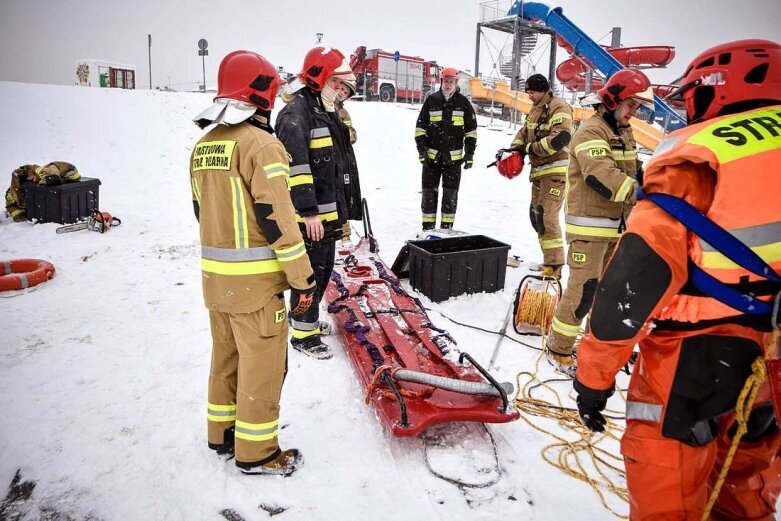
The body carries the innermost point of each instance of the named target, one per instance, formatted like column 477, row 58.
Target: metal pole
column 493, row 96
column 502, row 332
column 589, row 76
column 203, row 62
column 477, row 52
column 149, row 37
column 552, row 73
column 516, row 58
column 615, row 40
column 396, row 90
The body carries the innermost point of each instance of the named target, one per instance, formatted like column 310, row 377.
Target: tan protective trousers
column 586, row 261
column 249, row 363
column 547, row 198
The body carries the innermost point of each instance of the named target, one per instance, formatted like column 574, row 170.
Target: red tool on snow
column 97, row 222
column 412, row 372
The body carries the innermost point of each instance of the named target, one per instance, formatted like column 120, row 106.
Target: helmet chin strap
column 328, row 95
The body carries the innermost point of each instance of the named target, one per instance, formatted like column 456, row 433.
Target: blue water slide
column 584, row 46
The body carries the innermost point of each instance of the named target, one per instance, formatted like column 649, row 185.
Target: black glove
column 591, row 414
column 509, row 151
column 468, row 160
column 51, row 179
column 303, row 305
column 423, row 157
column 591, row 403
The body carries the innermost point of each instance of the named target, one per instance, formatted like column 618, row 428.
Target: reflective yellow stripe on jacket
column 592, row 147
column 458, row 118
column 592, row 226
column 764, row 240
column 240, row 231
column 320, row 138
column 301, row 175
column 276, row 170
column 196, row 190
column 326, row 212
column 292, row 253
column 626, row 188
column 239, row 261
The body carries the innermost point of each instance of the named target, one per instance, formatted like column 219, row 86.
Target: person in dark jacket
column 446, row 137
column 312, row 133
column 352, row 185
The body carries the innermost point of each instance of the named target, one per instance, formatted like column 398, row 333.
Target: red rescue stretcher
column 412, row 371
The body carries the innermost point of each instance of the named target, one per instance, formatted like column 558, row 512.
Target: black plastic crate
column 65, row 203
column 444, row 268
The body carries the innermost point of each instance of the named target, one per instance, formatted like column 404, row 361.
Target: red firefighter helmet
column 728, row 74
column 249, row 77
column 626, row 84
column 319, row 64
column 511, row 165
column 449, row 72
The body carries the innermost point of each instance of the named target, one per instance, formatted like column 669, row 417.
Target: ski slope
column 103, row 369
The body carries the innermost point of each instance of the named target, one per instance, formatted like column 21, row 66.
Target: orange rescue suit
column 695, row 352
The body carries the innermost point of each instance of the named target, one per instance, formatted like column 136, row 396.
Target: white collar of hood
column 225, row 111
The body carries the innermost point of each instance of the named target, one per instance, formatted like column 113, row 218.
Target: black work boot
column 281, row 463
column 225, row 449
column 312, row 346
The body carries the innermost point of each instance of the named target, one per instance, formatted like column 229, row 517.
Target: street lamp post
column 203, row 52
column 149, row 38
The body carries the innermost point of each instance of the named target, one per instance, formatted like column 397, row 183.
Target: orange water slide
column 572, row 72
column 646, row 135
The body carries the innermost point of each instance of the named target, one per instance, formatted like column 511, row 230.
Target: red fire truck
column 382, row 77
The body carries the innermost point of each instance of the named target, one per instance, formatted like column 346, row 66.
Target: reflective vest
column 744, row 151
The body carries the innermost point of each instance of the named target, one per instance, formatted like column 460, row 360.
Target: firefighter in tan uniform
column 543, row 139
column 601, row 192
column 54, row 173
column 251, row 252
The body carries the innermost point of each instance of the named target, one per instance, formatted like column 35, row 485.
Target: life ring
column 24, row 273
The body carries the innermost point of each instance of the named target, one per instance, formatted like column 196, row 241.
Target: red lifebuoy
column 24, row 273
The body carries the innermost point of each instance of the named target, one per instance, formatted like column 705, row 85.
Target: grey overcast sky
column 42, row 39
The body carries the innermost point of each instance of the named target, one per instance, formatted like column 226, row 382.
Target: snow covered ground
column 103, row 369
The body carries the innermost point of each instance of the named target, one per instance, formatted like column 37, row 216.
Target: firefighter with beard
column 251, row 252
column 709, row 333
column 543, row 139
column 600, row 195
column 446, row 138
column 313, row 135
